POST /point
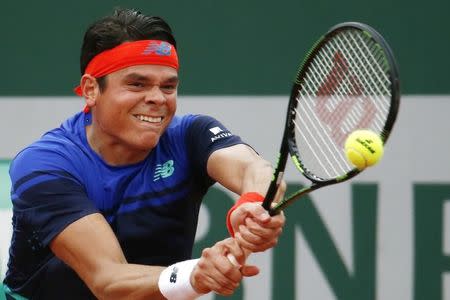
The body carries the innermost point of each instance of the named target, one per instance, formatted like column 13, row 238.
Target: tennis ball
column 363, row 148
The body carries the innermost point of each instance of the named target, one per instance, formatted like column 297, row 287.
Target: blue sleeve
column 206, row 135
column 46, row 196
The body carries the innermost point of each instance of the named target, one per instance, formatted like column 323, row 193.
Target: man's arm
column 241, row 170
column 89, row 246
column 91, row 249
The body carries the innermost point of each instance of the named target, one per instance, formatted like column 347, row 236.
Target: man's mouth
column 148, row 119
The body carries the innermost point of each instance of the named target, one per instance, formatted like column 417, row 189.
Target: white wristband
column 175, row 281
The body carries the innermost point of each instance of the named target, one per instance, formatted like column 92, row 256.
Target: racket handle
column 233, row 260
column 270, row 195
column 272, row 191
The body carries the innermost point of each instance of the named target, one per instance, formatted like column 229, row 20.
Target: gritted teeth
column 149, row 119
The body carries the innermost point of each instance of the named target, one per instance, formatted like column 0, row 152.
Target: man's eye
column 136, row 84
column 169, row 88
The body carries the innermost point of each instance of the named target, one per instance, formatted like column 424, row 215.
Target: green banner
column 226, row 47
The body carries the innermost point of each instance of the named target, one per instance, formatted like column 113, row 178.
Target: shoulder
column 194, row 126
column 208, row 128
column 181, row 122
column 195, row 122
column 178, row 128
column 36, row 159
column 59, row 149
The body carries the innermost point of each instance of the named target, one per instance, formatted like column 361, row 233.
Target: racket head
column 348, row 81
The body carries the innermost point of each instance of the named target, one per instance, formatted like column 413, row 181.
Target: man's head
column 129, row 79
column 123, row 25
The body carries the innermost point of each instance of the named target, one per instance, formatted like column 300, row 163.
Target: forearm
column 102, row 265
column 240, row 169
column 127, row 281
column 256, row 177
column 244, row 172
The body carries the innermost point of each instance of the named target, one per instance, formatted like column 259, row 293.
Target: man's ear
column 90, row 89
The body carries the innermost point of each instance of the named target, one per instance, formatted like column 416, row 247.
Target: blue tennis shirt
column 152, row 206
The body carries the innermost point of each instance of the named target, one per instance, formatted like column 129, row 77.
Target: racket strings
column 366, row 59
column 340, row 98
column 345, row 87
column 318, row 135
column 376, row 81
column 309, row 136
column 339, row 162
column 358, row 109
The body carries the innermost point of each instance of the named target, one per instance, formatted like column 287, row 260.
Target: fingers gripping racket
column 347, row 81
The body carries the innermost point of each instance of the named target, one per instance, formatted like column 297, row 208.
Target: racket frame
column 288, row 144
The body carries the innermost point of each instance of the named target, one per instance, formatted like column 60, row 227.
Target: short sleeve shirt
column 59, row 179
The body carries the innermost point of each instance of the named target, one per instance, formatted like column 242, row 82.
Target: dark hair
column 123, row 25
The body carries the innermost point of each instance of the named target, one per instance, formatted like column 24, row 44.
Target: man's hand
column 254, row 228
column 214, row 272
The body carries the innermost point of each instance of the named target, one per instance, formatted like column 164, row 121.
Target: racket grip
column 269, row 197
column 233, row 260
column 272, row 191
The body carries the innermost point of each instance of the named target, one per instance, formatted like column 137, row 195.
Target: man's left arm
column 241, row 170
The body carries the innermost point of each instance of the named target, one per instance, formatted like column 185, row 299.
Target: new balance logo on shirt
column 164, row 170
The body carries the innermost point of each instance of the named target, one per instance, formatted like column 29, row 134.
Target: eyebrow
column 140, row 77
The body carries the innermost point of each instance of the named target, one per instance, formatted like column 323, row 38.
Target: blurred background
column 384, row 235
column 226, row 47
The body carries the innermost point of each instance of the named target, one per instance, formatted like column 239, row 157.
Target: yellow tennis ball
column 363, row 148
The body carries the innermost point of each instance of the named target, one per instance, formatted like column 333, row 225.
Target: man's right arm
column 91, row 249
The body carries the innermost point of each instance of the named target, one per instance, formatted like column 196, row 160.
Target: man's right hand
column 215, row 272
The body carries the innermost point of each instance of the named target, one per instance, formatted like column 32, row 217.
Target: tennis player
column 106, row 205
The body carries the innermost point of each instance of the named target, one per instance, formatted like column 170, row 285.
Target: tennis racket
column 347, row 81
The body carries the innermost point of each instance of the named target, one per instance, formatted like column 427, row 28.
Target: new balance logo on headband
column 163, row 48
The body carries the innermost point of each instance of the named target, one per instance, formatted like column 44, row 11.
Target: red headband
column 143, row 52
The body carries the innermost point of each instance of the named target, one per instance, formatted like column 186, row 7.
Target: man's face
column 136, row 106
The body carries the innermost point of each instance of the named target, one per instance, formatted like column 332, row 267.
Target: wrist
column 175, row 281
column 244, row 198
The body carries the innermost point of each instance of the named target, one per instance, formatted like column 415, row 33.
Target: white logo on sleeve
column 215, row 130
column 219, row 133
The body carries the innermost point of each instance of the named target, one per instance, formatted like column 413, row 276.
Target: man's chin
column 147, row 144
